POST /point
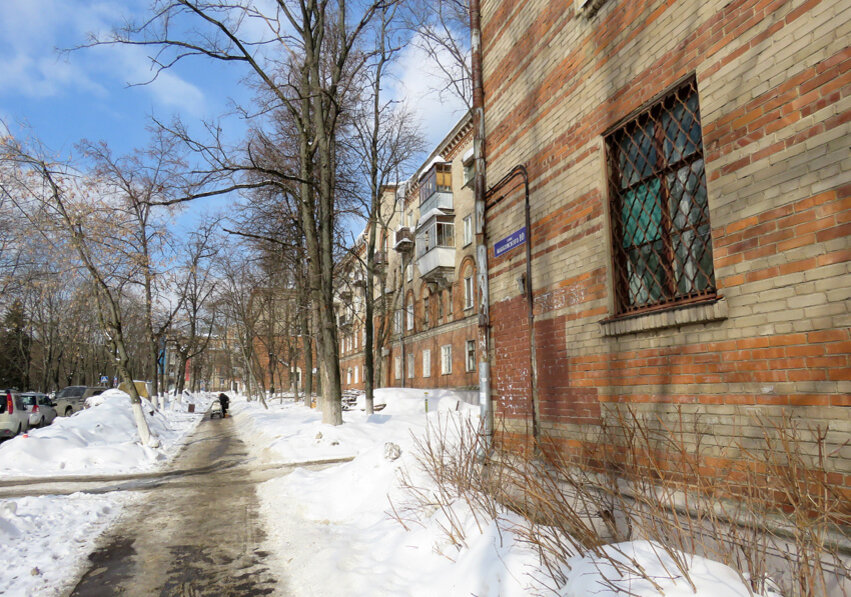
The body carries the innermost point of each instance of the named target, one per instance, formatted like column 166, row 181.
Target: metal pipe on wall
column 485, row 403
column 520, row 170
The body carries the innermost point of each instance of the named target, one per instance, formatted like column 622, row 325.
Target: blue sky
column 65, row 97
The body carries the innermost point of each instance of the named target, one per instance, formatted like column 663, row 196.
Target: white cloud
column 420, row 85
column 31, row 30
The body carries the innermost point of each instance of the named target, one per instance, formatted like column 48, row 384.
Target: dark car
column 73, row 398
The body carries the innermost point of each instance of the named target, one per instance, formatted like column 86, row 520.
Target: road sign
column 512, row 241
column 104, row 379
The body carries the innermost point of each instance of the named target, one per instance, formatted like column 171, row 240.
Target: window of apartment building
column 446, row 359
column 397, row 321
column 468, row 291
column 426, row 309
column 349, row 375
column 409, row 311
column 469, row 355
column 409, row 272
column 662, row 248
column 427, row 362
column 397, row 367
column 356, row 374
column 469, row 170
column 439, row 306
column 449, row 306
column 468, row 229
column 411, row 365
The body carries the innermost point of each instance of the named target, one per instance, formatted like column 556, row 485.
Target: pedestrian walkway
column 195, row 535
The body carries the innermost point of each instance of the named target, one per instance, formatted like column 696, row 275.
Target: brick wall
column 773, row 84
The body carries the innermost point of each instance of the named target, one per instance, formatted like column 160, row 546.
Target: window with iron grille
column 662, row 247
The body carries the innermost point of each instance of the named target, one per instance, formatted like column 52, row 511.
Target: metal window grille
column 660, row 219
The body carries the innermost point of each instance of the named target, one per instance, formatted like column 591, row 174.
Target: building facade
column 689, row 177
column 426, row 253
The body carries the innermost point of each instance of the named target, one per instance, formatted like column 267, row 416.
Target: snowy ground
column 330, row 531
column 44, row 539
column 334, row 535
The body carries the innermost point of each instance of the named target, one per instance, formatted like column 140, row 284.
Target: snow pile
column 98, row 440
column 338, row 531
column 44, row 537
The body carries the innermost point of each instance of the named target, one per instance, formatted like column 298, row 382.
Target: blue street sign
column 512, row 241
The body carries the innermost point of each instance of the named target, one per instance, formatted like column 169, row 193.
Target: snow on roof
column 468, row 155
column 438, row 159
column 430, row 214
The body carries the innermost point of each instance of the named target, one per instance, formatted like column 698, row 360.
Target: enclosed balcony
column 436, row 249
column 436, row 188
column 404, row 240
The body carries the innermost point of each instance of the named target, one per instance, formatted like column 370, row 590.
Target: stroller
column 216, row 409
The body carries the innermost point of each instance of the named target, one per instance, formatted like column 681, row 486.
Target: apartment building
column 426, row 251
column 689, row 177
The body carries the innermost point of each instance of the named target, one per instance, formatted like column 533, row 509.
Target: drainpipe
column 525, row 284
column 485, row 403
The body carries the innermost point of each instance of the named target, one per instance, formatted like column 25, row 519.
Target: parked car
column 14, row 417
column 40, row 407
column 73, row 398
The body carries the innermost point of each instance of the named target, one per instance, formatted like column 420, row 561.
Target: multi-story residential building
column 426, row 250
column 689, row 178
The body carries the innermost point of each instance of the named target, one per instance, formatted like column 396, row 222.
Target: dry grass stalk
column 675, row 484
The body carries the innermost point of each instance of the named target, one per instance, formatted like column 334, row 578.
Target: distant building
column 426, row 251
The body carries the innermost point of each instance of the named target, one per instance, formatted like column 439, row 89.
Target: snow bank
column 339, row 532
column 97, row 440
column 44, row 539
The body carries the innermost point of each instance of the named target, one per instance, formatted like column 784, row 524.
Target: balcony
column 436, row 188
column 436, row 249
column 404, row 240
column 380, row 258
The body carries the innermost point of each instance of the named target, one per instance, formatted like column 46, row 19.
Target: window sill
column 674, row 317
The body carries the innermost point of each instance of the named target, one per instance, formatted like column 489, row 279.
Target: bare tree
column 441, row 29
column 145, row 179
column 307, row 62
column 89, row 218
column 385, row 143
column 194, row 325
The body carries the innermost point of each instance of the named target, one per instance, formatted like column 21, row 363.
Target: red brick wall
column 773, row 82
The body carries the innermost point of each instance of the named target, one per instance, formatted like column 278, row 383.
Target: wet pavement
column 196, row 533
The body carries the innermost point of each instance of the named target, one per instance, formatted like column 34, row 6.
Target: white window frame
column 398, row 321
column 411, row 365
column 468, row 292
column 349, row 376
column 468, row 229
column 470, row 355
column 409, row 309
column 427, row 362
column 356, row 374
column 446, row 359
column 397, row 367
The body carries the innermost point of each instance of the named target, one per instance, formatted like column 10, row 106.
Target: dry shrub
column 764, row 507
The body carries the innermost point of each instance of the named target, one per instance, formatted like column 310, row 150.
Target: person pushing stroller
column 225, row 402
